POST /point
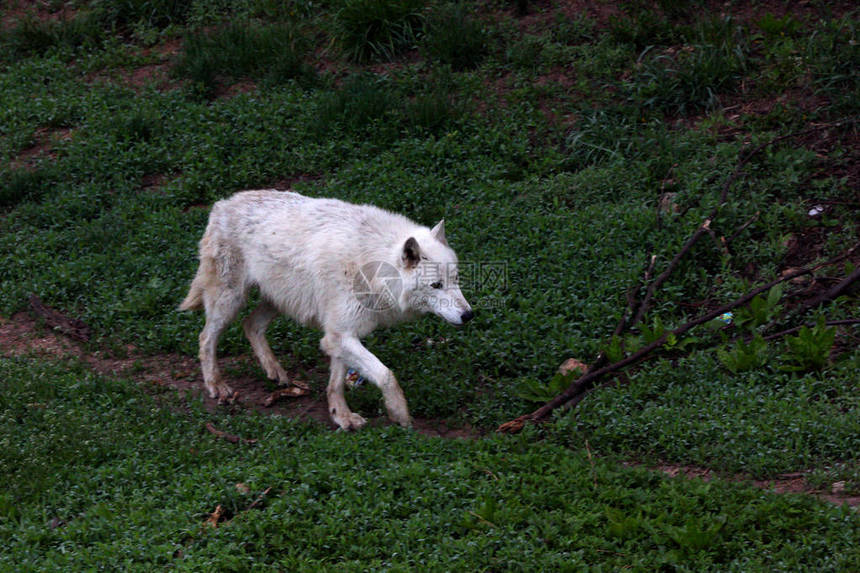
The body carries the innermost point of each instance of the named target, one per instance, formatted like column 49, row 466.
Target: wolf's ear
column 411, row 253
column 438, row 232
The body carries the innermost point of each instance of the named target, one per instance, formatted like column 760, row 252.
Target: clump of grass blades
column 432, row 110
column 274, row 53
column 642, row 28
column 32, row 36
column 370, row 105
column 18, row 185
column 692, row 78
column 157, row 13
column 378, row 29
column 359, row 105
column 454, row 38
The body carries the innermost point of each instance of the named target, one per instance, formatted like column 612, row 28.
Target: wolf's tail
column 194, row 298
column 203, row 278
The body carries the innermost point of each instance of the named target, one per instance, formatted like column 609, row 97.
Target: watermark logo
column 377, row 286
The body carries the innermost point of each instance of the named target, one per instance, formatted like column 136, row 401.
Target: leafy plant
column 810, row 348
column 271, row 52
column 452, row 37
column 156, row 13
column 745, row 356
column 692, row 78
column 483, row 516
column 33, row 36
column 697, row 534
column 761, row 310
column 378, row 29
column 363, row 104
column 776, row 26
column 536, row 391
column 620, row 524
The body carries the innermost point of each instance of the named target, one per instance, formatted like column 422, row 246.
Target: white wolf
column 339, row 267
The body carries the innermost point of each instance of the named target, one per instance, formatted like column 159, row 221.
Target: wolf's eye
column 437, row 284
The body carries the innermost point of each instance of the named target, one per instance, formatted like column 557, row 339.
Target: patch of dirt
column 42, row 147
column 795, row 482
column 21, row 335
column 287, row 183
column 155, row 73
column 16, row 10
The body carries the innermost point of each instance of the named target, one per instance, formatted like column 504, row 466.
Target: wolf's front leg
column 337, row 407
column 349, row 350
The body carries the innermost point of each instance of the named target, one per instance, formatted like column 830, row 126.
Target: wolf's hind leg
column 255, row 330
column 222, row 304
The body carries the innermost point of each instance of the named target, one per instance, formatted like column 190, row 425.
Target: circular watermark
column 377, row 286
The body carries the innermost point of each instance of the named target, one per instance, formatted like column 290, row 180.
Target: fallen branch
column 294, row 391
column 705, row 227
column 56, row 320
column 259, row 499
column 575, row 392
column 225, row 436
column 832, row 292
column 581, row 385
column 790, row 331
column 215, row 516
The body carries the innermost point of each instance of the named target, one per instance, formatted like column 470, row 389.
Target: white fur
column 304, row 255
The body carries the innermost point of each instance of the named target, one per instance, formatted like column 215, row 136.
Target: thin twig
column 832, row 292
column 591, row 461
column 740, row 229
column 745, row 156
column 790, row 331
column 210, row 427
column 585, row 382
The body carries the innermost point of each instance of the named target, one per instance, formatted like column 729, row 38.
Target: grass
column 274, row 53
column 137, row 489
column 550, row 195
column 454, row 38
column 378, row 30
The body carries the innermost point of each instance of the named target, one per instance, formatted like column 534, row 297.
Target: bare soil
column 22, row 335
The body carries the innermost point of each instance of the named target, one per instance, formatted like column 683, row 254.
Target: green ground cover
column 546, row 141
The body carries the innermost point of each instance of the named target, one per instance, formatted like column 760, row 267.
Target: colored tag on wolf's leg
column 353, row 378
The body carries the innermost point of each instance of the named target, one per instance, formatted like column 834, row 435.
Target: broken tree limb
column 56, row 320
column 210, row 427
column 833, row 292
column 790, row 331
column 587, row 381
column 745, row 155
column 577, row 389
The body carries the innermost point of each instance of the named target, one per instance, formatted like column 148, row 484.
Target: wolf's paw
column 399, row 414
column 350, row 422
column 223, row 393
column 229, row 398
column 276, row 373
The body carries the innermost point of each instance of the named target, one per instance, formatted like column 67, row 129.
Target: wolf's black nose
column 467, row 316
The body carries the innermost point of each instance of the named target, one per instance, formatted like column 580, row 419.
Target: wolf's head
column 430, row 277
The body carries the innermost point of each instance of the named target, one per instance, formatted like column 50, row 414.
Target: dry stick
column 576, row 390
column 210, row 427
column 832, row 292
column 780, row 334
column 740, row 229
column 746, row 156
column 631, row 306
column 585, row 382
